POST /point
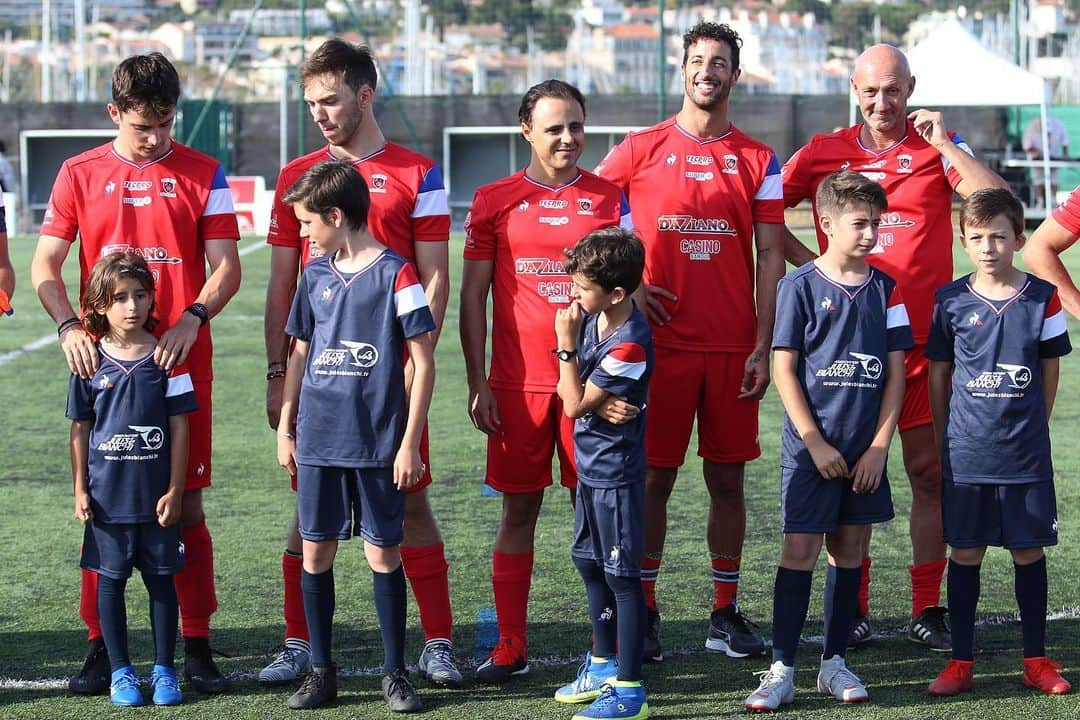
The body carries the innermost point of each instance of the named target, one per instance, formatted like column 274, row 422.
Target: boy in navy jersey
column 839, row 341
column 129, row 448
column 994, row 345
column 605, row 348
column 348, row 431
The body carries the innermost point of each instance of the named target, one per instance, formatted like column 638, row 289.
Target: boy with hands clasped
column 839, row 341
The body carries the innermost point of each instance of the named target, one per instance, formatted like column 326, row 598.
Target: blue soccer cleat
column 591, row 677
column 125, row 688
column 618, row 701
column 166, row 686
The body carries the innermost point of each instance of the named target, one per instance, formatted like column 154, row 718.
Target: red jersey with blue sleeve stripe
column 996, row 429
column 695, row 201
column 843, row 335
column 352, row 399
column 408, row 201
column 916, row 236
column 164, row 210
column 524, row 227
column 609, row 455
column 129, row 403
column 1067, row 213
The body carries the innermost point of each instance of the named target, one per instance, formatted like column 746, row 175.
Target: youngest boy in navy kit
column 605, row 348
column 839, row 340
column 994, row 349
column 348, row 431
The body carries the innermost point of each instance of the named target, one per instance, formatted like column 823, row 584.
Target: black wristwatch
column 198, row 310
column 565, row 355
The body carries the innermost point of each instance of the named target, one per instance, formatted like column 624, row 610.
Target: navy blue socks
column 112, row 613
column 390, row 608
column 963, row 586
column 318, row 592
column 164, row 614
column 1029, row 582
column 791, row 599
column 841, row 604
column 601, row 606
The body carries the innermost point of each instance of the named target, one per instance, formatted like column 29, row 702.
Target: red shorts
column 425, row 457
column 916, row 409
column 533, row 427
column 686, row 383
column 200, row 425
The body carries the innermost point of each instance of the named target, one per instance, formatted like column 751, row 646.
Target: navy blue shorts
column 609, row 527
column 113, row 549
column 810, row 503
column 1010, row 516
column 336, row 503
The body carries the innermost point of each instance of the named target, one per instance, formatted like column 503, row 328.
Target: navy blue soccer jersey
column 843, row 336
column 610, row 455
column 352, row 400
column 129, row 403
column 996, row 430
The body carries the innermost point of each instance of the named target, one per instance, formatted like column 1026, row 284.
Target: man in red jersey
column 7, row 273
column 147, row 194
column 1054, row 236
column 704, row 196
column 409, row 214
column 920, row 164
column 516, row 232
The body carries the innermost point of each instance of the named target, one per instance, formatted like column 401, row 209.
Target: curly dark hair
column 713, row 31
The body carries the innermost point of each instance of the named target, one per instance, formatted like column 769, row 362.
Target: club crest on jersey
column 731, row 165
column 903, row 163
column 168, row 187
column 827, row 305
column 378, row 183
column 846, row 164
column 975, row 320
column 584, row 206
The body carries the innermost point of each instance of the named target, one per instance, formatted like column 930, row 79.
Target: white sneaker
column 436, row 663
column 835, row 679
column 777, row 688
column 293, row 661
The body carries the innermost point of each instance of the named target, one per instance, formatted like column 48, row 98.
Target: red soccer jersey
column 915, row 241
column 695, row 201
column 1067, row 213
column 165, row 210
column 408, row 200
column 523, row 227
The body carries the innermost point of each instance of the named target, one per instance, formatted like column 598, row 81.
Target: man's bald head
column 882, row 58
column 883, row 83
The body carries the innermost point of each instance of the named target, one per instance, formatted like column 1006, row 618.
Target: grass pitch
column 250, row 504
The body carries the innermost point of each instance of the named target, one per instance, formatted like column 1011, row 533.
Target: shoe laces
column 845, row 677
column 165, row 680
column 741, row 623
column 441, row 651
column 399, row 685
column 769, row 678
column 606, row 697
column 313, row 683
column 126, row 681
column 934, row 618
column 288, row 656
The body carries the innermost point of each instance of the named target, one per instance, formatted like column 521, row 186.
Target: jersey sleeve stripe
column 432, row 180
column 178, row 385
column 896, row 316
column 772, row 187
column 618, row 368
column 219, row 203
column 628, row 352
column 408, row 299
column 219, row 181
column 431, row 202
column 1053, row 326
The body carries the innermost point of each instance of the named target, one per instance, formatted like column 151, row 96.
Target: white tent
column 951, row 67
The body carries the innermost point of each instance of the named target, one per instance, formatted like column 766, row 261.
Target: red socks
column 511, row 575
column 292, row 564
column 88, row 604
column 725, row 576
column 195, row 583
column 428, row 574
column 650, row 570
column 926, row 585
column 864, row 589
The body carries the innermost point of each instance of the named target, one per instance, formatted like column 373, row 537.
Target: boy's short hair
column 982, row 206
column 146, row 83
column 332, row 184
column 843, row 190
column 610, row 257
column 355, row 64
column 712, row 31
column 548, row 89
column 100, row 289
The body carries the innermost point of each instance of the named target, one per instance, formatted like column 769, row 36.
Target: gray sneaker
column 777, row 688
column 293, row 661
column 835, row 679
column 436, row 663
column 931, row 629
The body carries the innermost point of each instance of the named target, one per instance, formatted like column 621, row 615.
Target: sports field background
column 42, row 640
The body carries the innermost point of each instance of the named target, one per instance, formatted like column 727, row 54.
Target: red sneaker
column 1042, row 673
column 955, row 678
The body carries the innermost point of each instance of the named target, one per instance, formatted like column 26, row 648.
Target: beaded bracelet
column 70, row 322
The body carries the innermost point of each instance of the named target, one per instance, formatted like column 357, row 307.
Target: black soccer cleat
column 930, row 628
column 319, row 688
column 731, row 633
column 860, row 633
column 400, row 693
column 651, row 652
column 200, row 671
column 96, row 671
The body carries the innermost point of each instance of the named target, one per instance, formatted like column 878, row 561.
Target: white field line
column 49, row 339
column 547, row 661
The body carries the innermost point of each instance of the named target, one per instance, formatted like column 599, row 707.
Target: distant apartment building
column 207, row 43
column 278, row 22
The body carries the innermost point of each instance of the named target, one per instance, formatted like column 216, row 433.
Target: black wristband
column 275, row 374
column 70, row 322
column 198, row 310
